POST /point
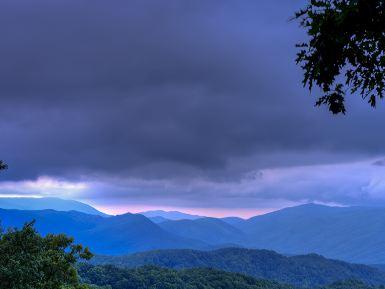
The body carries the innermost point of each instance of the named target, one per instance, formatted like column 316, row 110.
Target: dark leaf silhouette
column 345, row 51
column 3, row 165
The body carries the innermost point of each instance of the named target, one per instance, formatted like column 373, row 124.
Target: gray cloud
column 352, row 183
column 182, row 90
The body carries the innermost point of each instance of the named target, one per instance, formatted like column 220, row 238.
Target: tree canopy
column 152, row 277
column 31, row 261
column 345, row 51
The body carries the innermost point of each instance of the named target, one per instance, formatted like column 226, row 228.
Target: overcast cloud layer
column 189, row 104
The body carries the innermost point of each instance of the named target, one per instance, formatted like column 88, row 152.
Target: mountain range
column 353, row 234
column 114, row 235
column 209, row 230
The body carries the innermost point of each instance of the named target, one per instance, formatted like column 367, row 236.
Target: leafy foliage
column 30, row 261
column 345, row 50
column 3, row 165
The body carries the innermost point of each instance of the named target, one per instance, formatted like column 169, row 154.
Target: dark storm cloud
column 162, row 89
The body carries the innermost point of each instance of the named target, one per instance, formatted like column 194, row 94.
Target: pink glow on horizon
column 209, row 212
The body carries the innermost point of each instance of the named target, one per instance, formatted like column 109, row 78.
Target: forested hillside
column 305, row 271
column 151, row 277
column 161, row 278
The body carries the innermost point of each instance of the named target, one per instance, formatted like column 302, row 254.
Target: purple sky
column 191, row 105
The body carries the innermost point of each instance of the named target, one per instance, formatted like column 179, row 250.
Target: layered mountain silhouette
column 160, row 215
column 209, row 230
column 114, row 235
column 354, row 234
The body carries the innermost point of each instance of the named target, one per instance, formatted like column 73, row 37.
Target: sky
column 190, row 105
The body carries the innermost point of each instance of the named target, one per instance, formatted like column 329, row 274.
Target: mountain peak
column 57, row 204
